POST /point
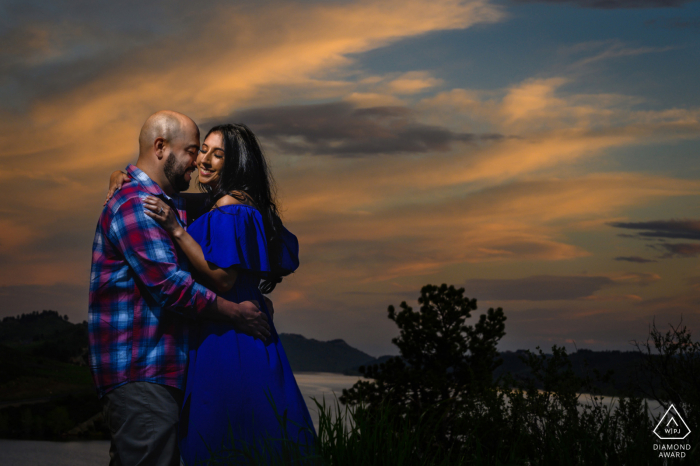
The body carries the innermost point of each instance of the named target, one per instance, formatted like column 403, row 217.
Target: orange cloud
column 413, row 82
column 535, row 199
column 236, row 59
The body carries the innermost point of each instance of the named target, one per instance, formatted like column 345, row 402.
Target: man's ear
column 159, row 146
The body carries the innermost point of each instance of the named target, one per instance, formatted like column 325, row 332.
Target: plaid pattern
column 141, row 295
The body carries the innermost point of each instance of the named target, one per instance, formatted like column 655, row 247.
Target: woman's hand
column 163, row 214
column 116, row 180
column 218, row 279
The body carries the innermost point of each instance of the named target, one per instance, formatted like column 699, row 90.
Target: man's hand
column 268, row 303
column 245, row 317
column 252, row 321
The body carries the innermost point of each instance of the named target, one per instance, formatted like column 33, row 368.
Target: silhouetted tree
column 443, row 362
column 671, row 370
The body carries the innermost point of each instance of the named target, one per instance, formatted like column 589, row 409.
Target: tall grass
column 500, row 428
column 349, row 435
column 356, row 435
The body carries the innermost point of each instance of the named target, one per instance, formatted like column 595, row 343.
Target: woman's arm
column 221, row 279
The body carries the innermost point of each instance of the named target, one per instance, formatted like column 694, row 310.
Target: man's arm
column 150, row 253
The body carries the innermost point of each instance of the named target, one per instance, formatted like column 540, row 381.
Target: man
column 142, row 298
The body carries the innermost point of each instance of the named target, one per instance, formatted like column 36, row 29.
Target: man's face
column 180, row 162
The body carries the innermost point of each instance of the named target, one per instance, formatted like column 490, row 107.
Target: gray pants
column 142, row 418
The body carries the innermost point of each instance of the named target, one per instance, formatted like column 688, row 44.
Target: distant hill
column 46, row 334
column 624, row 364
column 355, row 370
column 25, row 376
column 45, row 386
column 42, row 355
column 28, row 328
column 310, row 355
column 39, row 340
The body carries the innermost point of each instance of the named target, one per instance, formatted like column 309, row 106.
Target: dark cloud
column 406, row 295
column 694, row 282
column 637, row 259
column 613, row 4
column 686, row 229
column 379, row 256
column 674, row 23
column 74, row 43
column 340, row 129
column 662, row 229
column 535, row 288
column 677, row 250
column 607, row 329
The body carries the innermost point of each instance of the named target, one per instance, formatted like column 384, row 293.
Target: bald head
column 165, row 124
column 168, row 147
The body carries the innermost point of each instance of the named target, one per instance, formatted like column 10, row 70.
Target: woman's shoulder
column 235, row 198
column 234, row 234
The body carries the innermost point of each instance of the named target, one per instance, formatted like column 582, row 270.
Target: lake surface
column 30, row 452
column 322, row 386
column 319, row 385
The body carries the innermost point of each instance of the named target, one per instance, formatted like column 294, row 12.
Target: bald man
column 142, row 299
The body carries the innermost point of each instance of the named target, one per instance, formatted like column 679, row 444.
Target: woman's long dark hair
column 245, row 170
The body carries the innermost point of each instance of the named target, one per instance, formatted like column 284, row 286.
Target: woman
column 240, row 249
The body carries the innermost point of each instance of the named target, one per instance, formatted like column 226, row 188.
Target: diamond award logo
column 672, row 426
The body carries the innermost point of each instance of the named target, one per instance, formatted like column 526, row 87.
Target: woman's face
column 210, row 161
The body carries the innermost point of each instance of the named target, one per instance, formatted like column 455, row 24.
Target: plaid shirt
column 141, row 295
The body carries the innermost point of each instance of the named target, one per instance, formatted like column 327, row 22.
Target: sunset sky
column 544, row 155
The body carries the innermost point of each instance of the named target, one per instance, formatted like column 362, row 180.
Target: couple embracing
column 185, row 372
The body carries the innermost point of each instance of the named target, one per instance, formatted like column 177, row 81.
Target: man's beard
column 176, row 174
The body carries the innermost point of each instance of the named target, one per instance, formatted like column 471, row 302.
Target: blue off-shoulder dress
column 230, row 375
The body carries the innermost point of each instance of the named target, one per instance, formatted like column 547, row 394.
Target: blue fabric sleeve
column 234, row 235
